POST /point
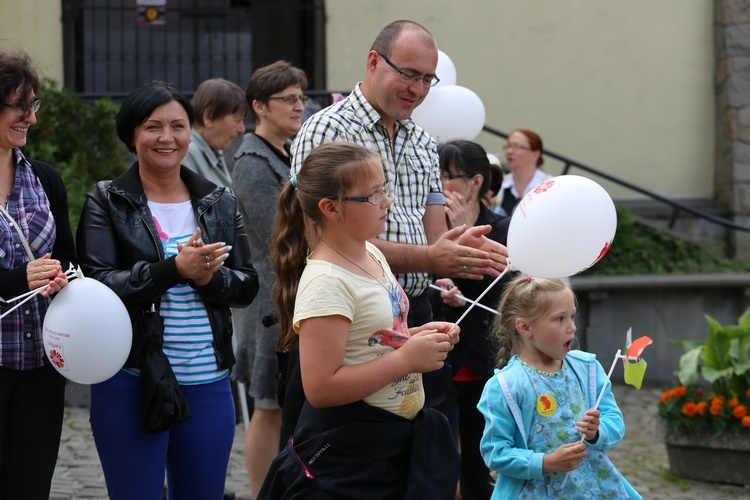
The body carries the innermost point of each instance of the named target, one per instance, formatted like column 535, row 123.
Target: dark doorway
column 110, row 47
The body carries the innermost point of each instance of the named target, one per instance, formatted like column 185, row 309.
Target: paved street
column 641, row 457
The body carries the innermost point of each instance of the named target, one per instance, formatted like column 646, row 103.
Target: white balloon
column 561, row 227
column 451, row 112
column 445, row 70
column 87, row 332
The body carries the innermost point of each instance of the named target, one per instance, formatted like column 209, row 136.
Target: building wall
column 625, row 87
column 34, row 26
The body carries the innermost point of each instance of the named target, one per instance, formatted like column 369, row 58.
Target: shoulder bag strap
column 20, row 233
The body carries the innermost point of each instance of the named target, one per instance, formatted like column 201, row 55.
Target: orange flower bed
column 690, row 408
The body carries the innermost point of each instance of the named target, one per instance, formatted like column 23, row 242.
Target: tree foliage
column 79, row 139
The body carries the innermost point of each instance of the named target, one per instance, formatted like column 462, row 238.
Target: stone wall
column 732, row 87
column 662, row 307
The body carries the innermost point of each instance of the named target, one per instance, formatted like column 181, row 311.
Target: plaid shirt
column 410, row 165
column 21, row 345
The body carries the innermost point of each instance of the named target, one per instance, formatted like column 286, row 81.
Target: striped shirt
column 21, row 344
column 410, row 165
column 188, row 339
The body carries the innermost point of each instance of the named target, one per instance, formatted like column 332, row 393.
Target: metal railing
column 677, row 206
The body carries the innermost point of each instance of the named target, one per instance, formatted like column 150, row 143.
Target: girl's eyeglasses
column 377, row 198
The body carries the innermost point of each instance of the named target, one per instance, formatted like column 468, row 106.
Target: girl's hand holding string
column 452, row 329
column 428, row 346
column 45, row 272
column 568, row 456
column 589, row 425
column 565, row 458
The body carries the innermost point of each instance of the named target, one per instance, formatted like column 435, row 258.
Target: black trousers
column 467, row 425
column 435, row 383
column 31, row 414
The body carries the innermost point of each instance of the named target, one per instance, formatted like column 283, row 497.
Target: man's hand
column 467, row 253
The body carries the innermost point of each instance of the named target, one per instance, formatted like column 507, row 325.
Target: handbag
column 163, row 404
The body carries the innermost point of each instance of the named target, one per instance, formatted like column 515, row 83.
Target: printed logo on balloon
column 87, row 331
column 561, row 228
column 450, row 111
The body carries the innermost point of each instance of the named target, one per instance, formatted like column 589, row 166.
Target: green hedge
column 640, row 249
column 79, row 139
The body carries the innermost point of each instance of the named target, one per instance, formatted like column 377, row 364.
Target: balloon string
column 471, row 306
column 70, row 273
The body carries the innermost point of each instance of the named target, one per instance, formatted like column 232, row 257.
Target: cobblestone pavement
column 641, row 457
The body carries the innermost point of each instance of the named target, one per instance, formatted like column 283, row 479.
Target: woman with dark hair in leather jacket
column 173, row 247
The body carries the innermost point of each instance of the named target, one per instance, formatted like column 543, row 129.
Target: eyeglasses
column 377, row 198
column 515, row 147
column 408, row 76
column 447, row 176
column 24, row 108
column 291, row 99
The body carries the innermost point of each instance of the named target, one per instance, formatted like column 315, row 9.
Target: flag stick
column 458, row 295
column 599, row 399
column 471, row 306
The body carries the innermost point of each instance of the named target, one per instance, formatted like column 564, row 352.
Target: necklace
column 393, row 292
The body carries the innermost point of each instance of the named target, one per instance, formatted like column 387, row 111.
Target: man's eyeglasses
column 515, row 147
column 408, row 76
column 24, row 108
column 447, row 176
column 291, row 99
column 376, row 198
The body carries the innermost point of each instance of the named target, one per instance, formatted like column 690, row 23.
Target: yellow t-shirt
column 377, row 310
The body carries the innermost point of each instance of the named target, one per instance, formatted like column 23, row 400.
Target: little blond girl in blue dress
column 538, row 405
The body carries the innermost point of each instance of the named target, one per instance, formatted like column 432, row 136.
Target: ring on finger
column 207, row 264
column 39, row 276
column 208, row 259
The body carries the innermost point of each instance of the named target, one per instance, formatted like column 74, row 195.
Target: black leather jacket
column 118, row 244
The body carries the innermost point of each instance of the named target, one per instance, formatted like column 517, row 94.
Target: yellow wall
column 34, row 26
column 625, row 87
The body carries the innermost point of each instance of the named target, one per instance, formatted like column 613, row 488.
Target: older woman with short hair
column 262, row 163
column 220, row 111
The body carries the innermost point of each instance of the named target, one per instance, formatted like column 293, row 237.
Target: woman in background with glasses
column 36, row 247
column 261, row 168
column 524, row 157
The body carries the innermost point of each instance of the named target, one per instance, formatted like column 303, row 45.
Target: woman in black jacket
column 465, row 175
column 171, row 406
column 34, row 203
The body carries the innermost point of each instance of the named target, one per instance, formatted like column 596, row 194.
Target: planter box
column 661, row 306
column 704, row 457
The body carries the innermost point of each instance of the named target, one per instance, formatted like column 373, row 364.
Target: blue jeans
column 195, row 456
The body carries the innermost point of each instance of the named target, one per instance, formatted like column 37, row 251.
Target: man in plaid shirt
column 377, row 114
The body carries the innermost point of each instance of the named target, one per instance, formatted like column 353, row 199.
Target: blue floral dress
column 560, row 405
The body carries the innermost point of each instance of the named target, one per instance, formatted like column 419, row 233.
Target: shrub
column 639, row 249
column 723, row 361
column 79, row 139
